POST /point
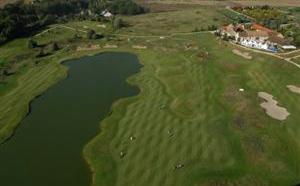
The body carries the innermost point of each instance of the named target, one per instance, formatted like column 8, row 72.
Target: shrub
column 118, row 23
column 54, row 47
column 32, row 44
column 90, row 34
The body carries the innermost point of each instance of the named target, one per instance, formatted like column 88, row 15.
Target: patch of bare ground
column 271, row 107
column 239, row 103
column 245, row 55
column 294, row 88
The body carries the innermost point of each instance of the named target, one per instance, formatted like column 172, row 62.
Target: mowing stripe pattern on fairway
column 190, row 113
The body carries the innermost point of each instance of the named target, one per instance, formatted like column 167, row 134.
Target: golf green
column 47, row 147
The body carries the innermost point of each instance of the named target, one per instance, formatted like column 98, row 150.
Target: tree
column 91, row 34
column 41, row 53
column 225, row 37
column 297, row 39
column 54, row 47
column 117, row 23
column 23, row 19
column 32, row 44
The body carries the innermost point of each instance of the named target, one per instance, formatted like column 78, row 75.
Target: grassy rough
column 176, row 21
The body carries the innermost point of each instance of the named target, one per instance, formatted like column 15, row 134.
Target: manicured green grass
column 189, row 110
column 221, row 135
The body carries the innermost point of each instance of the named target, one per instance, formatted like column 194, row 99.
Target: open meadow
column 197, row 119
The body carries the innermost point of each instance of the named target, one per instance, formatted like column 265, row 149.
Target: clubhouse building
column 256, row 36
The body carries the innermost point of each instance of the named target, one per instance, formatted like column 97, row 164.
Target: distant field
column 187, row 20
column 4, row 2
column 233, row 2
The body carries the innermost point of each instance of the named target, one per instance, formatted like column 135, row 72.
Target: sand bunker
column 245, row 55
column 89, row 47
column 271, row 107
column 139, row 47
column 110, row 46
column 294, row 88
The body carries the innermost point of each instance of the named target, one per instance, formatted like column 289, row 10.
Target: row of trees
column 266, row 15
column 275, row 19
column 22, row 19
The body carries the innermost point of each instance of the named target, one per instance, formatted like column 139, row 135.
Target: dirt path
column 288, row 53
column 60, row 26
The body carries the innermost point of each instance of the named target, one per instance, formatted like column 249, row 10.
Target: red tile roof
column 261, row 28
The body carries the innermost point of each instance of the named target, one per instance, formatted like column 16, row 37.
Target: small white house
column 107, row 14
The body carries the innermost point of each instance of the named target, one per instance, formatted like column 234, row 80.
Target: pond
column 46, row 149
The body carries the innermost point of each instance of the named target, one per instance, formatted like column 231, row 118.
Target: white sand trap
column 294, row 88
column 110, row 46
column 245, row 55
column 90, row 47
column 139, row 47
column 271, row 107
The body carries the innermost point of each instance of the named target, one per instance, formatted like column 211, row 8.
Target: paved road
column 289, row 60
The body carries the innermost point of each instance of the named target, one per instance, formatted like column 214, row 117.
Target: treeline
column 233, row 17
column 124, row 7
column 22, row 19
column 275, row 19
column 265, row 15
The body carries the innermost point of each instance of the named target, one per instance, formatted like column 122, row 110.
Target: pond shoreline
column 66, row 76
